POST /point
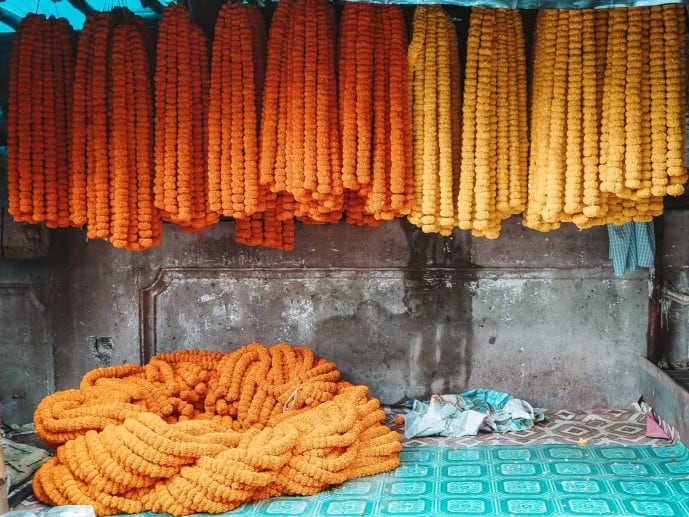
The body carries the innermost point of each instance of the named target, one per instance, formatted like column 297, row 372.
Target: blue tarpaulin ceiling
column 12, row 11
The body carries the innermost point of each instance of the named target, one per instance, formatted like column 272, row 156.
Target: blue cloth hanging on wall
column 632, row 245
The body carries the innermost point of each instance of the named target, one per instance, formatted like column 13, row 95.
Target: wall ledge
column 666, row 396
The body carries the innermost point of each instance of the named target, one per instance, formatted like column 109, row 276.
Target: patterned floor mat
column 549, row 480
column 576, row 463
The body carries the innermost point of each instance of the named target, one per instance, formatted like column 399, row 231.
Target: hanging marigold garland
column 272, row 225
column 618, row 73
column 40, row 107
column 492, row 184
column 111, row 182
column 434, row 89
column 195, row 431
column 181, row 134
column 374, row 113
column 608, row 122
column 233, row 151
column 313, row 170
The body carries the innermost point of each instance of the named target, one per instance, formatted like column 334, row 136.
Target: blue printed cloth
column 632, row 245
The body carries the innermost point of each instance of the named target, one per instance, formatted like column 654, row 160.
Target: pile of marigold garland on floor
column 198, row 431
column 326, row 119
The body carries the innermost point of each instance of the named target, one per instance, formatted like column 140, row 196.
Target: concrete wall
column 675, row 273
column 537, row 315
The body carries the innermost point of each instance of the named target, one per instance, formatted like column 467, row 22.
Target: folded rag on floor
column 468, row 413
column 632, row 245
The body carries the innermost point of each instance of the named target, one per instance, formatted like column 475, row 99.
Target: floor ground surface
column 576, row 463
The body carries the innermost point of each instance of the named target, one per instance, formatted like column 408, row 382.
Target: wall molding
column 469, row 276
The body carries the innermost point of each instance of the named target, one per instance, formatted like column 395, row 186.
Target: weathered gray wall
column 538, row 315
column 675, row 273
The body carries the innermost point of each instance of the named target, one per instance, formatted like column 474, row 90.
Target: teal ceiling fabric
column 536, row 4
column 12, row 11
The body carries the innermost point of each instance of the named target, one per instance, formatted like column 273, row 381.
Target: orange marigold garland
column 80, row 185
column 63, row 90
column 196, row 431
column 148, row 222
column 374, row 113
column 122, row 89
column 181, row 106
column 312, row 124
column 41, row 82
column 98, row 201
column 16, row 161
column 401, row 171
column 276, row 227
column 117, row 157
column 273, row 225
column 37, row 136
column 238, row 176
column 200, row 74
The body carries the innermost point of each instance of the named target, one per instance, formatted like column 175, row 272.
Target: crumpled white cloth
column 468, row 413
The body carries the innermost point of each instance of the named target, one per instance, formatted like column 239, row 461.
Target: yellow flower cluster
column 196, row 431
column 492, row 184
column 608, row 115
column 434, row 76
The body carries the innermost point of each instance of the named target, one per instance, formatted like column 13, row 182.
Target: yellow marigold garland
column 556, row 159
column 542, row 93
column 465, row 197
column 492, row 182
column 485, row 185
column 675, row 77
column 517, row 101
column 590, row 100
column 574, row 175
column 618, row 156
column 433, row 84
column 196, row 431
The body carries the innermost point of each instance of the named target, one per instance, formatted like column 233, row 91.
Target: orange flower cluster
column 608, row 115
column 268, row 228
column 374, row 113
column 492, row 184
column 181, row 133
column 299, row 142
column 197, row 431
column 40, row 107
column 111, row 186
column 433, row 60
column 267, row 219
column 233, row 187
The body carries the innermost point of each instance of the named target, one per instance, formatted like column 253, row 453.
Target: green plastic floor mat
column 507, row 481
